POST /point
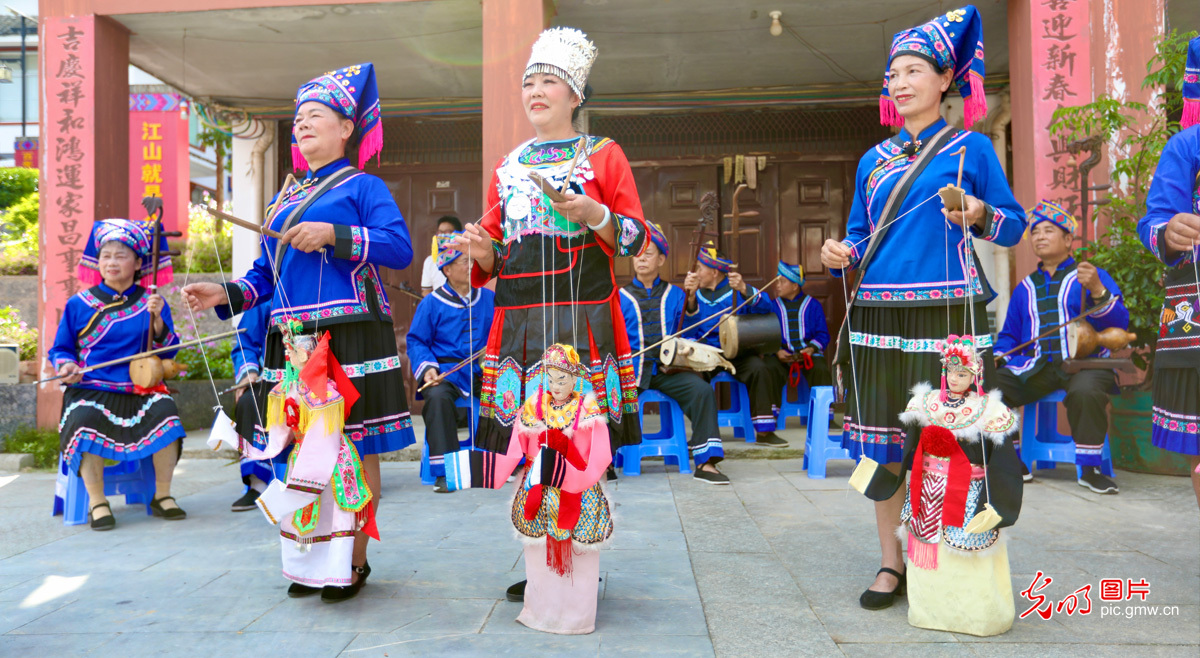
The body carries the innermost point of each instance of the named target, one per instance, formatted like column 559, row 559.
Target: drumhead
column 729, row 336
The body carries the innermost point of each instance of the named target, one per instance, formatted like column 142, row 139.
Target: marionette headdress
column 710, row 257
column 563, row 358
column 1191, row 86
column 793, row 273
column 657, row 237
column 566, row 53
column 352, row 93
column 959, row 353
column 1046, row 211
column 136, row 235
column 445, row 255
column 953, row 41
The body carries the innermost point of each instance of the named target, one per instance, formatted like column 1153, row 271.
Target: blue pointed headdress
column 1191, row 85
column 138, row 236
column 953, row 41
column 352, row 93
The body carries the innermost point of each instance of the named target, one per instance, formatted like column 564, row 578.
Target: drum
column 750, row 334
column 683, row 353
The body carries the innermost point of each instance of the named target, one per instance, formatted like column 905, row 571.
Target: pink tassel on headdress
column 298, row 161
column 974, row 106
column 90, row 277
column 888, row 115
column 1191, row 113
column 371, row 145
column 945, row 396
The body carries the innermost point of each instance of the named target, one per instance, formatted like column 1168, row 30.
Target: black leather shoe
column 334, row 594
column 872, row 600
column 439, row 486
column 611, row 474
column 105, row 522
column 168, row 513
column 246, row 502
column 296, row 590
column 516, row 592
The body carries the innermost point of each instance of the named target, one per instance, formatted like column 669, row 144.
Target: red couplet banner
column 68, row 192
column 158, row 156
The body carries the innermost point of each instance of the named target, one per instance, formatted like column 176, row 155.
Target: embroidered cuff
column 350, row 242
column 419, row 371
column 246, row 369
column 631, row 235
column 163, row 339
column 1158, row 246
column 992, row 220
column 241, row 297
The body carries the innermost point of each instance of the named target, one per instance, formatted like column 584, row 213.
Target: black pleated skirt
column 118, row 426
column 1176, row 415
column 894, row 349
column 512, row 367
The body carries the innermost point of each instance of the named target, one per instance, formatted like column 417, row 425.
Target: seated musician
column 450, row 324
column 1045, row 299
column 105, row 415
column 653, row 310
column 713, row 291
column 247, row 367
column 805, row 333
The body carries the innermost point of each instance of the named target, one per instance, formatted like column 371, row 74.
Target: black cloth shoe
column 872, row 600
column 439, row 486
column 1026, row 476
column 296, row 590
column 516, row 592
column 1093, row 479
column 770, row 440
column 334, row 594
column 710, row 477
column 170, row 514
column 611, row 475
column 105, row 522
column 246, row 502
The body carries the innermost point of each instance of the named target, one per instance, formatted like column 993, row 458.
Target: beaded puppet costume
column 965, row 485
column 560, row 511
column 324, row 498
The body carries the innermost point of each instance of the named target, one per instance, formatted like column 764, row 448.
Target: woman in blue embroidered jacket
column 328, row 268
column 1171, row 231
column 105, row 415
column 923, row 268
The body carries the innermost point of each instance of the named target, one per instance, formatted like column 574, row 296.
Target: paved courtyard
column 771, row 566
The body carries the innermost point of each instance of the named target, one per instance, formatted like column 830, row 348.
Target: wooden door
column 423, row 198
column 757, row 253
column 671, row 198
column 814, row 201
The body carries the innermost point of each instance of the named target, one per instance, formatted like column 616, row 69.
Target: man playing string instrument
column 653, row 310
column 713, row 291
column 1047, row 298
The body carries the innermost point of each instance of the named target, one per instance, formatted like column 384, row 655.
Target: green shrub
column 15, row 184
column 15, row 330
column 199, row 252
column 42, row 444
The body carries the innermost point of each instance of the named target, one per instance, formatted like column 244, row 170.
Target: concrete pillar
column 509, row 29
column 84, row 126
column 252, row 175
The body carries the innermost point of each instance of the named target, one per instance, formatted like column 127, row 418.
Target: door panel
column 422, row 199
column 813, row 205
column 671, row 199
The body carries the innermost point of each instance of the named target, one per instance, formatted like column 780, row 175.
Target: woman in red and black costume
column 553, row 262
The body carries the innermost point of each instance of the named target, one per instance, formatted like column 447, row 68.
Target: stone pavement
column 771, row 566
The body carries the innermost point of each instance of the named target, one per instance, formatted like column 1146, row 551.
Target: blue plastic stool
column 797, row 409
column 132, row 479
column 1041, row 444
column 819, row 447
column 669, row 442
column 737, row 415
column 427, row 476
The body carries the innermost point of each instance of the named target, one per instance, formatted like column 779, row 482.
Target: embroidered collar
column 905, row 136
column 1060, row 271
column 327, row 169
column 658, row 283
column 117, row 296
